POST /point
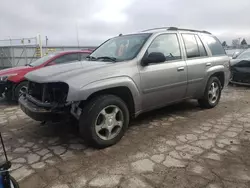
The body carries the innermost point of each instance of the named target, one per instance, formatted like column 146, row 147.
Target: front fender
column 123, row 81
column 17, row 79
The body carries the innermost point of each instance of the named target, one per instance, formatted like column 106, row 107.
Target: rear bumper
column 40, row 113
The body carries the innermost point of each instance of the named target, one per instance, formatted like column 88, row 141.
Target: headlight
column 4, row 78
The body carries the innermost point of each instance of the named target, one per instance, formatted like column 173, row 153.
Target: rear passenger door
column 197, row 62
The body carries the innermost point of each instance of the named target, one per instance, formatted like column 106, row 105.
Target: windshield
column 244, row 55
column 42, row 60
column 120, row 48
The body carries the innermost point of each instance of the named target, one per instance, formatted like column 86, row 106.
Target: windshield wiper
column 91, row 57
column 28, row 65
column 107, row 58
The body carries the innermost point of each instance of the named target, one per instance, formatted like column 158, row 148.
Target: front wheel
column 104, row 121
column 20, row 89
column 13, row 183
column 212, row 93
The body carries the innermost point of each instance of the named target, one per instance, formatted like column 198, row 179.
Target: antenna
column 5, row 154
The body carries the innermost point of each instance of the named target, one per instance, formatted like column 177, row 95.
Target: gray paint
column 152, row 86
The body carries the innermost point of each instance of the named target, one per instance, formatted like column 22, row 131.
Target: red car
column 12, row 81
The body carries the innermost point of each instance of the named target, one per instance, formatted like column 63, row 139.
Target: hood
column 65, row 72
column 14, row 70
column 234, row 62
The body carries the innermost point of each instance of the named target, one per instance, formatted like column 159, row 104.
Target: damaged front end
column 240, row 73
column 46, row 101
column 6, row 89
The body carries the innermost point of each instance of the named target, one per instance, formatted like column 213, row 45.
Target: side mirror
column 154, row 57
column 51, row 63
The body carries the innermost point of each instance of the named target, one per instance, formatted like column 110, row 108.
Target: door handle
column 208, row 64
column 180, row 69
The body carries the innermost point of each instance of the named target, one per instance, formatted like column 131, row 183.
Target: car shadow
column 70, row 127
column 66, row 131
column 5, row 102
column 174, row 109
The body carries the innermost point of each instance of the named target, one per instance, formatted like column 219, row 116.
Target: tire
column 18, row 89
column 14, row 182
column 92, row 113
column 206, row 102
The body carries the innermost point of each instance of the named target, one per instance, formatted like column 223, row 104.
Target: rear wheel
column 104, row 121
column 212, row 93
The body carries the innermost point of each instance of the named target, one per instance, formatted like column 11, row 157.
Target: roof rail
column 156, row 29
column 192, row 30
column 176, row 29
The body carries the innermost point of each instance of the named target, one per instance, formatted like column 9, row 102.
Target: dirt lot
column 176, row 147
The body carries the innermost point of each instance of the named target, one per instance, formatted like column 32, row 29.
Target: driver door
column 166, row 82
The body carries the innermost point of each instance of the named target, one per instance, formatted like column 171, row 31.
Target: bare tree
column 224, row 44
column 243, row 42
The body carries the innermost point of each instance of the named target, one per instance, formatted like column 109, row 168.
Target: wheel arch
column 123, row 87
column 122, row 92
column 217, row 71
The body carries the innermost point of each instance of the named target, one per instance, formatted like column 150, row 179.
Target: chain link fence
column 19, row 52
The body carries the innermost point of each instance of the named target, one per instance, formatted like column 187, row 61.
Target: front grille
column 35, row 90
column 48, row 92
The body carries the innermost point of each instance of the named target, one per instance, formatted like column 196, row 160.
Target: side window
column 67, row 58
column 202, row 49
column 214, row 45
column 167, row 44
column 191, row 45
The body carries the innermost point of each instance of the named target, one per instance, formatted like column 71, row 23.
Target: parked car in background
column 13, row 82
column 233, row 53
column 240, row 68
column 126, row 76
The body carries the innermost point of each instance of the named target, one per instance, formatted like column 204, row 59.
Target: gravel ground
column 178, row 146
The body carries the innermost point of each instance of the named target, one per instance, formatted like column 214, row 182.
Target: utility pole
column 12, row 52
column 40, row 45
column 77, row 36
column 46, row 40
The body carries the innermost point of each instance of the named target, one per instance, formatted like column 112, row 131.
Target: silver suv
column 126, row 76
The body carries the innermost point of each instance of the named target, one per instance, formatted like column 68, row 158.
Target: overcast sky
column 98, row 20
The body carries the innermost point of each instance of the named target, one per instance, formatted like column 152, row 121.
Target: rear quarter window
column 214, row 45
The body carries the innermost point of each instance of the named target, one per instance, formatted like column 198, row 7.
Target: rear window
column 214, row 45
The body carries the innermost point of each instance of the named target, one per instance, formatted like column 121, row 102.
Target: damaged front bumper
column 3, row 86
column 240, row 78
column 41, row 111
